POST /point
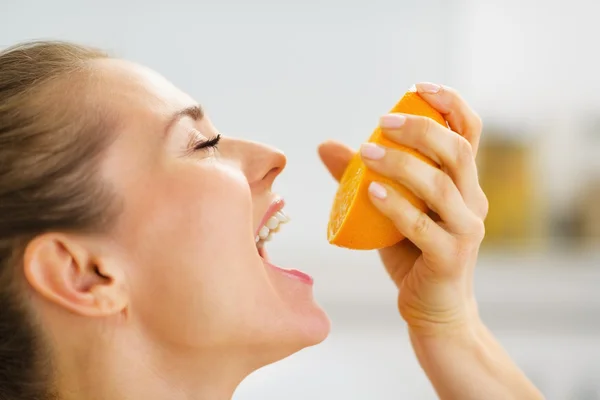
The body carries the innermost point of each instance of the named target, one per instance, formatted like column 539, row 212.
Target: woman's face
column 191, row 214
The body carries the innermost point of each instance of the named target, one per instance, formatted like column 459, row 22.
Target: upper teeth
column 272, row 225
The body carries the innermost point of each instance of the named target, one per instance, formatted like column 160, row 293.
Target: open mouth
column 269, row 226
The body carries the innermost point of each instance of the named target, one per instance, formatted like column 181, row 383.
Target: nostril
column 272, row 173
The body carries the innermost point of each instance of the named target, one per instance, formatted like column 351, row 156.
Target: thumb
column 336, row 157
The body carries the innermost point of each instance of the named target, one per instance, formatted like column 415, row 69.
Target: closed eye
column 204, row 144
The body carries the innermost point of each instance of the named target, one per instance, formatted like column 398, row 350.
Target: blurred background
column 293, row 73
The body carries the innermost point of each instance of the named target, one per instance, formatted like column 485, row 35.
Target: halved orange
column 354, row 222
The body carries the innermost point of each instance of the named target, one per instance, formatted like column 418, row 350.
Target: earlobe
column 65, row 271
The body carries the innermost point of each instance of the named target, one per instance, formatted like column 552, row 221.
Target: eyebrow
column 195, row 112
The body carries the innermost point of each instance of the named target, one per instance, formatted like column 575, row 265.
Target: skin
column 433, row 269
column 175, row 302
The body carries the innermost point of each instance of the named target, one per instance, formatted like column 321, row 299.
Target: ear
column 66, row 271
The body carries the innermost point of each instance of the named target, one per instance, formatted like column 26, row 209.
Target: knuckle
column 426, row 125
column 478, row 230
column 463, row 151
column 420, row 133
column 472, row 236
column 398, row 163
column 421, row 225
column 421, row 126
column 457, row 100
column 444, row 187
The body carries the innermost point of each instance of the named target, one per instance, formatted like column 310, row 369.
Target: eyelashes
column 199, row 143
column 204, row 144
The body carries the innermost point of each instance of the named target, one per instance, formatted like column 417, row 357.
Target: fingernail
column 392, row 121
column 427, row 87
column 377, row 190
column 372, row 151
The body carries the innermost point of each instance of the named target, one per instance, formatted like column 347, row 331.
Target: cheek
column 194, row 259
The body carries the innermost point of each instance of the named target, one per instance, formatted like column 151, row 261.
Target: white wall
column 534, row 66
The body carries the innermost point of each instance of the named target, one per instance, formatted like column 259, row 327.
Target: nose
column 260, row 163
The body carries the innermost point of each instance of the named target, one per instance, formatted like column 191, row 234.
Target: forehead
column 137, row 92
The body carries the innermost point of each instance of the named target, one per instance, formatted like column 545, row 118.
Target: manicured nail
column 377, row 190
column 372, row 151
column 392, row 121
column 427, row 87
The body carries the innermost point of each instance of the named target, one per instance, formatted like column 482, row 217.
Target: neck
column 136, row 369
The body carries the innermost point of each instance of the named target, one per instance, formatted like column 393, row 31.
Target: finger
column 460, row 116
column 414, row 224
column 336, row 157
column 428, row 183
column 448, row 149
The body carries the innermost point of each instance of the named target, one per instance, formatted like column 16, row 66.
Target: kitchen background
column 293, row 73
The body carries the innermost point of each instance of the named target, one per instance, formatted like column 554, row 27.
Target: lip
column 275, row 206
column 292, row 273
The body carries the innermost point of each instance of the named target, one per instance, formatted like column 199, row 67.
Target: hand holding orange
column 354, row 222
column 409, row 166
column 385, row 192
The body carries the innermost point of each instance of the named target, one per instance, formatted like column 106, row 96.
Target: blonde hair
column 52, row 134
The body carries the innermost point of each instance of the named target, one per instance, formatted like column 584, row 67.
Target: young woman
column 129, row 261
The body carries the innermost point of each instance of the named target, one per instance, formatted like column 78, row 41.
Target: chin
column 316, row 329
column 297, row 334
column 307, row 327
